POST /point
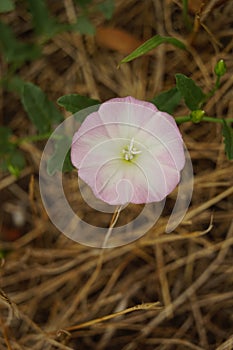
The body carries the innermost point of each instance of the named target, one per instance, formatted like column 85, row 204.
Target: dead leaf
column 117, row 39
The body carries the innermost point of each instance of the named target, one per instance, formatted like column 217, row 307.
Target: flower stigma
column 130, row 151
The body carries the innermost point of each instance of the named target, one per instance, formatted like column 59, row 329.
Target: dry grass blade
column 146, row 306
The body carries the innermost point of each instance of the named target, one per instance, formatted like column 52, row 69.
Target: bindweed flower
column 128, row 151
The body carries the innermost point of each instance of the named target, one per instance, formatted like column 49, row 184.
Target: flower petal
column 153, row 169
column 126, row 112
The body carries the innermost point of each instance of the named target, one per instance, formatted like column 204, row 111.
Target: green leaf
column 151, row 44
column 44, row 23
column 3, row 253
column 14, row 50
column 186, row 15
column 168, row 100
column 11, row 158
column 107, row 8
column 192, row 94
column 75, row 103
column 83, row 3
column 5, row 134
column 84, row 26
column 60, row 161
column 15, row 162
column 40, row 110
column 6, row 6
column 5, row 145
column 227, row 132
column 14, row 84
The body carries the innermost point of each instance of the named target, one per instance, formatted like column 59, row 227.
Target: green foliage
column 16, row 162
column 227, row 132
column 84, row 26
column 74, row 103
column 168, row 100
column 3, row 253
column 192, row 94
column 44, row 23
column 5, row 144
column 197, row 116
column 55, row 162
column 40, row 110
column 151, row 44
column 107, row 8
column 6, row 6
column 83, row 3
column 15, row 51
column 46, row 26
column 11, row 158
column 14, row 84
column 186, row 15
column 220, row 68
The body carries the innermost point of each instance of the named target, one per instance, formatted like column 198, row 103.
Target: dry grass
column 57, row 294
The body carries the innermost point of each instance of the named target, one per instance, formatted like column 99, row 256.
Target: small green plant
column 44, row 114
column 186, row 89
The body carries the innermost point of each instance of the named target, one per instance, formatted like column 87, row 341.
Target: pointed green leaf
column 40, row 110
column 168, row 100
column 227, row 132
column 60, row 161
column 75, row 103
column 6, row 6
column 107, row 8
column 192, row 94
column 14, row 50
column 151, row 44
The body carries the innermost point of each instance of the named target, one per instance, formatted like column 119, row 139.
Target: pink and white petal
column 165, row 140
column 133, row 100
column 99, row 154
column 128, row 111
column 119, row 183
column 91, row 122
column 112, row 183
column 161, row 127
column 161, row 173
column 172, row 155
column 153, row 181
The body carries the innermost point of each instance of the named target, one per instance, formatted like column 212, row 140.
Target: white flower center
column 130, row 151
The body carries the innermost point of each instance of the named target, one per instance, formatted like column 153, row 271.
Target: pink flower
column 128, row 151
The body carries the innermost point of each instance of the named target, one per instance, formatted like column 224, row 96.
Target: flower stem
column 35, row 138
column 112, row 224
column 217, row 120
column 184, row 119
column 212, row 92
